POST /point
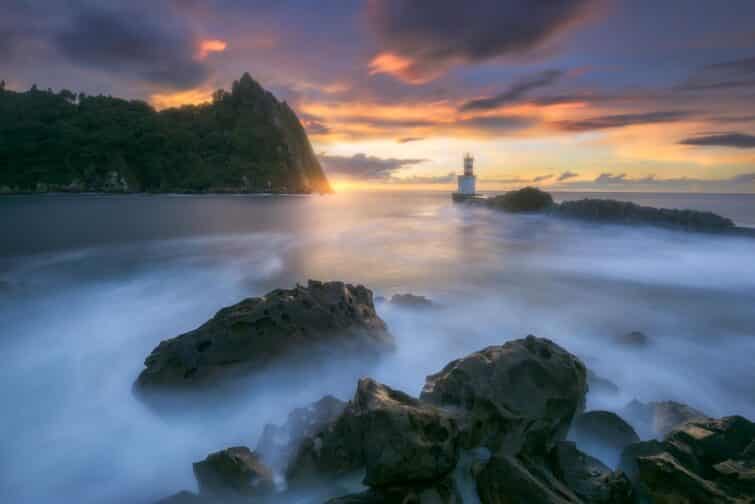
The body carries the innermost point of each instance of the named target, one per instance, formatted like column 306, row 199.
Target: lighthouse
column 467, row 182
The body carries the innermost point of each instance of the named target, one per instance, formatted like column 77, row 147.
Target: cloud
column 409, row 139
column 364, row 167
column 316, row 128
column 515, row 92
column 542, row 178
column 609, row 178
column 496, row 124
column 422, row 38
column 608, row 181
column 158, row 49
column 567, row 175
column 621, row 120
column 449, row 178
column 727, row 75
column 736, row 140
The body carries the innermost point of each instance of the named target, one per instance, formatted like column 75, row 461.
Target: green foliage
column 64, row 141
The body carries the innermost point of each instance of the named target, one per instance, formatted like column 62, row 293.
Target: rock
column 600, row 385
column 589, row 478
column 603, row 434
column 411, row 301
column 634, row 338
column 507, row 480
column 235, row 471
column 397, row 439
column 703, row 460
column 622, row 212
column 529, row 199
column 658, row 418
column 523, row 394
column 438, row 492
column 183, row 497
column 285, row 322
column 279, row 444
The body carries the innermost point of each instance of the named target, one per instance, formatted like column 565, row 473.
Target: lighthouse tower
column 468, row 181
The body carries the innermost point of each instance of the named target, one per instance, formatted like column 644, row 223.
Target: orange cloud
column 208, row 46
column 190, row 97
column 400, row 67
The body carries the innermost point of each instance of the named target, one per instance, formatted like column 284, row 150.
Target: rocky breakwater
column 284, row 323
column 607, row 211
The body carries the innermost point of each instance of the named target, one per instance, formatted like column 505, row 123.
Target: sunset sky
column 566, row 94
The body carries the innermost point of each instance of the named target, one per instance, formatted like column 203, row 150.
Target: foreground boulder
column 233, row 472
column 523, row 394
column 704, row 460
column 395, row 438
column 590, row 479
column 437, row 492
column 603, row 434
column 256, row 331
column 529, row 199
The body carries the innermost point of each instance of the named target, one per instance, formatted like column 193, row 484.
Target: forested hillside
column 244, row 141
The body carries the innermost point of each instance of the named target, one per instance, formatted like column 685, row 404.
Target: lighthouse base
column 458, row 197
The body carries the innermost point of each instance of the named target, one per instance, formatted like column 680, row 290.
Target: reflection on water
column 89, row 285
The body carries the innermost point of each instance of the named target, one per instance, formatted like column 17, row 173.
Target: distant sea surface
column 90, row 284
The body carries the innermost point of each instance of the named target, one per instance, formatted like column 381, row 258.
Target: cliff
column 244, row 141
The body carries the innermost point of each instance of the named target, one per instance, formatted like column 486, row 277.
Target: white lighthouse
column 468, row 181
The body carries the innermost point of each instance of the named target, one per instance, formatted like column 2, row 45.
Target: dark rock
column 703, row 460
column 411, row 301
column 600, row 385
column 437, row 492
column 235, row 471
column 529, row 199
column 589, row 478
column 634, row 338
column 285, row 322
column 523, row 394
column 397, row 439
column 622, row 212
column 279, row 444
column 603, row 434
column 658, row 418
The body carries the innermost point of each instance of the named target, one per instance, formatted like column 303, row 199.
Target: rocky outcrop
column 256, row 331
column 529, row 199
column 523, row 394
column 436, row 492
column 395, row 438
column 603, row 434
column 590, row 479
column 411, row 301
column 658, row 418
column 703, row 460
column 233, row 472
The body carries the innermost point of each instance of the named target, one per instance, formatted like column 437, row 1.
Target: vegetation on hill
column 244, row 141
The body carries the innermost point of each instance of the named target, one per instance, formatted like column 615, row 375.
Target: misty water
column 90, row 284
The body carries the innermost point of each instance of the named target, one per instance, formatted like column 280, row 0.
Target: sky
column 612, row 95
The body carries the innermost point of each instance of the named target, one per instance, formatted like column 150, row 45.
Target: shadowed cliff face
column 244, row 141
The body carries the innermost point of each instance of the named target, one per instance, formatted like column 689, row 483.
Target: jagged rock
column 634, row 338
column 623, row 212
column 397, row 439
column 411, row 301
column 524, row 393
column 529, row 199
column 235, row 471
column 278, row 444
column 589, row 478
column 703, row 460
column 598, row 384
column 256, row 331
column 603, row 434
column 438, row 492
column 658, row 418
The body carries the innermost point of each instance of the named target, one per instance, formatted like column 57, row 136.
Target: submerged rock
column 529, row 199
column 524, row 393
column 285, row 322
column 634, row 338
column 603, row 434
column 397, row 439
column 233, row 472
column 703, row 460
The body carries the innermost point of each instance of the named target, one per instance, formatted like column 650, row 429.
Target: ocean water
column 90, row 284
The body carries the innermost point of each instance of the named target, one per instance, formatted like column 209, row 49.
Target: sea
column 90, row 284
